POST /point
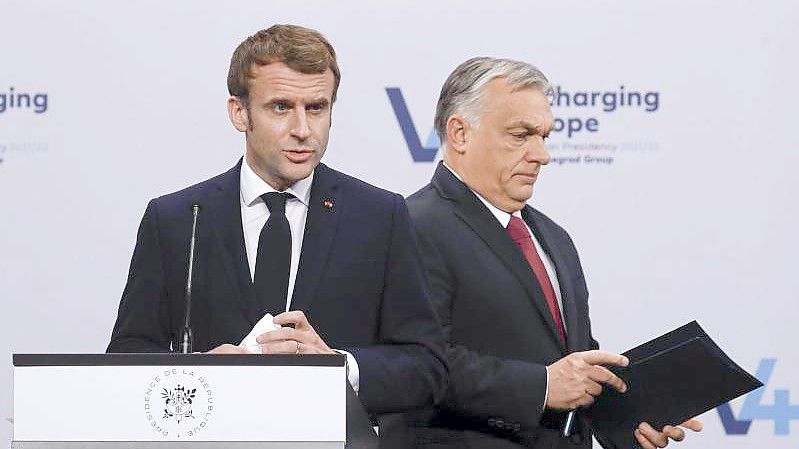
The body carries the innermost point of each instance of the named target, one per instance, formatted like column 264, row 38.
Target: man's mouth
column 530, row 177
column 298, row 156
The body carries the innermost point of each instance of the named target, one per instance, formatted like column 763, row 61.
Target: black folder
column 670, row 379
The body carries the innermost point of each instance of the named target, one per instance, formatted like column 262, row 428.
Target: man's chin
column 523, row 194
column 298, row 172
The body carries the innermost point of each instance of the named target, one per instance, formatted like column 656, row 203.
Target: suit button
column 500, row 424
column 492, row 422
column 517, row 427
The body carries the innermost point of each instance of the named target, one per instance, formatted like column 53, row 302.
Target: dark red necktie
column 518, row 232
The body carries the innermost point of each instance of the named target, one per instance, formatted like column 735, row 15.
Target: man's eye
column 316, row 107
column 281, row 107
column 520, row 136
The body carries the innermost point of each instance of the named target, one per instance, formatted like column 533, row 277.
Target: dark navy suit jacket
column 359, row 282
column 500, row 332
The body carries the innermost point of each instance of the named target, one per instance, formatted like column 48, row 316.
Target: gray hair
column 464, row 89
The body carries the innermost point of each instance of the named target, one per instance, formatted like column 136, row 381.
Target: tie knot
column 517, row 229
column 276, row 201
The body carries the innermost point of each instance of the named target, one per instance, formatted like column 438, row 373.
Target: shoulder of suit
column 424, row 197
column 183, row 198
column 424, row 194
column 427, row 207
column 357, row 186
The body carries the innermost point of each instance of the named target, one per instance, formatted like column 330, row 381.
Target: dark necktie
column 518, row 232
column 273, row 261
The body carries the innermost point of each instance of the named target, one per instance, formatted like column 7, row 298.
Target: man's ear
column 457, row 134
column 239, row 115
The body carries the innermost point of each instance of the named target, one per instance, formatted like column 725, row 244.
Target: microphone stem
column 186, row 338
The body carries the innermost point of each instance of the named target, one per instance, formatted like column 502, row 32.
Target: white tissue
column 265, row 324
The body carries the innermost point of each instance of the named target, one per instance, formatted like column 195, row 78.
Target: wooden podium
column 142, row 401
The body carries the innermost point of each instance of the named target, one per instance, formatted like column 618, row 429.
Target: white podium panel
column 163, row 400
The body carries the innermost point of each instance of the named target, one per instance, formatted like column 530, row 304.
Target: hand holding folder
column 672, row 378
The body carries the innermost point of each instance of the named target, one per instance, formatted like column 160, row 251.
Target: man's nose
column 300, row 128
column 538, row 153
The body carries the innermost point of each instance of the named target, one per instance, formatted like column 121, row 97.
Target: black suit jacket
column 500, row 332
column 359, row 282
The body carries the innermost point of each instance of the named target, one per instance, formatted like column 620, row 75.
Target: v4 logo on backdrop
column 782, row 412
column 419, row 152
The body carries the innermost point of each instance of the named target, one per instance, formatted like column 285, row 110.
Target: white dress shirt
column 504, row 218
column 255, row 213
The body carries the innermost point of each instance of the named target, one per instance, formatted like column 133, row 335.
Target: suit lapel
column 224, row 209
column 324, row 209
column 545, row 238
column 474, row 213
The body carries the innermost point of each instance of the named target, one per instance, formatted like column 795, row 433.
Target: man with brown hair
column 332, row 258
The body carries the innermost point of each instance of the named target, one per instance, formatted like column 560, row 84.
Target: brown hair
column 302, row 49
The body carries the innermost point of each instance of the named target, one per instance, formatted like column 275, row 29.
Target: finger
column 314, row 349
column 604, row 375
column 304, row 332
column 583, row 401
column 292, row 317
column 284, row 333
column 675, row 433
column 693, row 424
column 645, row 444
column 598, row 357
column 593, row 388
column 654, row 437
column 307, row 337
column 279, row 347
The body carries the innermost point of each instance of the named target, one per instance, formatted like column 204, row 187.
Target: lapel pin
column 328, row 203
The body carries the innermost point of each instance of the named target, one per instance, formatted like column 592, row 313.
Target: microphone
column 186, row 338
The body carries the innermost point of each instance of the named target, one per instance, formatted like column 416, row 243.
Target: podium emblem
column 178, row 403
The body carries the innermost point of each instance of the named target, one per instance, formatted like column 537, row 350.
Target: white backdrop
column 692, row 214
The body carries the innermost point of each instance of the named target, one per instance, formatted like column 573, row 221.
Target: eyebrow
column 536, row 129
column 324, row 102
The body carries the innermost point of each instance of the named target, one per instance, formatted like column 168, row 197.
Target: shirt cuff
column 353, row 374
column 546, row 389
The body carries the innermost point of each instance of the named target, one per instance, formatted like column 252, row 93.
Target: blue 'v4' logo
column 419, row 153
column 782, row 412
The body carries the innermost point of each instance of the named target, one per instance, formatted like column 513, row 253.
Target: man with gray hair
column 505, row 279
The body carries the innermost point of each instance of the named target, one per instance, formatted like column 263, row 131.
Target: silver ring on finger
column 298, row 348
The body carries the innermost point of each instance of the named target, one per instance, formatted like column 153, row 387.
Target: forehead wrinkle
column 316, row 89
column 536, row 122
column 305, row 82
column 289, row 84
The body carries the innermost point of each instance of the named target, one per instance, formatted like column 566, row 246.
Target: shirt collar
column 252, row 186
column 501, row 216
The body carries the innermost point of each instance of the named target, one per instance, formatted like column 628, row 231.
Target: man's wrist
column 346, row 361
column 546, row 389
column 351, row 367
